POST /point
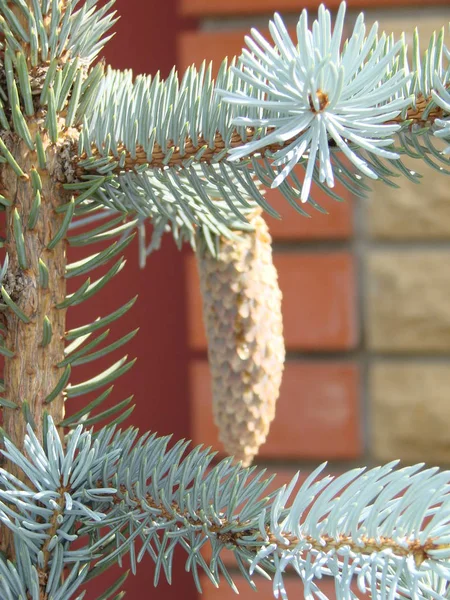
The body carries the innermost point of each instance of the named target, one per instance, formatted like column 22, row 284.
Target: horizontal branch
column 139, row 158
column 233, row 533
column 125, row 494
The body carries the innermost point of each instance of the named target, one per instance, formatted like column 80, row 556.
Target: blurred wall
column 366, row 293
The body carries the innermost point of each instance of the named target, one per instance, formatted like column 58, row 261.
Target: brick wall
column 366, row 296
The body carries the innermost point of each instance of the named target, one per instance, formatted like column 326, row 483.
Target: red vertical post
column 145, row 42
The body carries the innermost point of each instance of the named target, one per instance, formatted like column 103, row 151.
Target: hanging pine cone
column 242, row 315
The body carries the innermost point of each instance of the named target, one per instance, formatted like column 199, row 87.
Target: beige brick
column 412, row 212
column 410, row 411
column 399, row 20
column 408, row 301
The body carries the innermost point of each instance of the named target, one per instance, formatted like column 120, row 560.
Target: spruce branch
column 195, row 153
column 422, row 111
column 386, row 527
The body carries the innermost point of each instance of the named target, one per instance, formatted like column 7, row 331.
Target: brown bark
column 32, row 374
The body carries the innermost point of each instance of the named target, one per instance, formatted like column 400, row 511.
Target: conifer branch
column 137, row 158
column 266, row 121
column 135, row 495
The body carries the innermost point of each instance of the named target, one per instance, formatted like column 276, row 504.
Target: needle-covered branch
column 135, row 495
column 341, row 112
column 196, row 152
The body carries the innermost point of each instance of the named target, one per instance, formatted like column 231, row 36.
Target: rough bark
column 32, row 374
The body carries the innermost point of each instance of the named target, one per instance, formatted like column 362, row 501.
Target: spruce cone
column 242, row 314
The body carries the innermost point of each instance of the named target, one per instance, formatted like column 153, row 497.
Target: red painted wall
column 145, row 41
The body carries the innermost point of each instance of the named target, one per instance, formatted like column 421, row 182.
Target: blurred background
column 366, row 293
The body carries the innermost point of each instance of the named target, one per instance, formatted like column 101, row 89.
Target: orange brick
column 294, row 588
column 196, row 46
column 336, row 225
column 319, row 301
column 240, row 7
column 264, row 591
column 317, row 413
column 193, row 47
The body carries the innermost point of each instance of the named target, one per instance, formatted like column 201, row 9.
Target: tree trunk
column 32, row 373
